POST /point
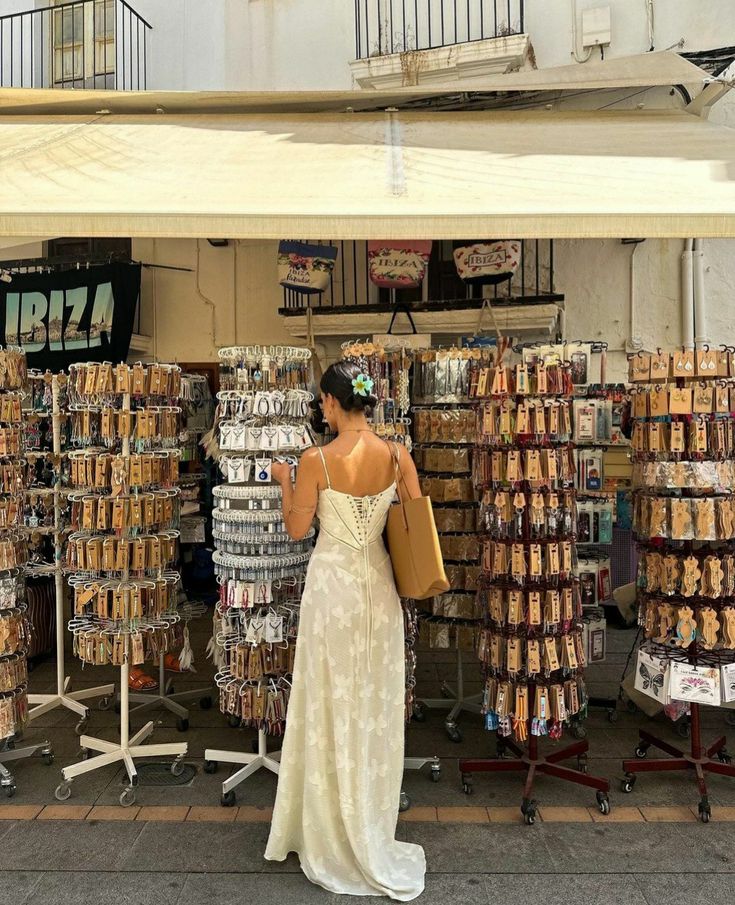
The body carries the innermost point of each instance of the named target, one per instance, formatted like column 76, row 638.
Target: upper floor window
column 84, row 41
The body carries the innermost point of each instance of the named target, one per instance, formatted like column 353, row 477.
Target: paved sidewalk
column 203, row 863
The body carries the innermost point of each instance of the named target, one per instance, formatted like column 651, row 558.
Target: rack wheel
column 582, row 763
column 404, row 802
column 419, row 712
column 705, row 811
column 453, row 733
column 47, row 756
column 10, row 790
column 233, row 721
column 227, row 800
column 683, row 729
column 603, row 803
column 723, row 757
column 205, row 703
column 628, row 783
column 579, row 731
column 81, row 726
column 641, row 751
column 104, row 703
column 127, row 797
column 182, row 723
column 467, row 783
column 436, row 772
column 84, row 753
column 63, row 791
column 210, row 766
column 177, row 767
column 529, row 809
column 612, row 715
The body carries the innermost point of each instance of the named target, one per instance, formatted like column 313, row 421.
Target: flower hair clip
column 362, row 385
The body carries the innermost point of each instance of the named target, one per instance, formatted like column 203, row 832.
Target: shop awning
column 645, row 70
column 368, row 175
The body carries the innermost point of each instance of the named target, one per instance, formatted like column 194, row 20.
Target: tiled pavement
column 178, row 845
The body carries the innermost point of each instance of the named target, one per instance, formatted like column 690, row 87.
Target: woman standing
column 342, row 758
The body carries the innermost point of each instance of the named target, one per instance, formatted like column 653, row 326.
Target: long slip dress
column 342, row 759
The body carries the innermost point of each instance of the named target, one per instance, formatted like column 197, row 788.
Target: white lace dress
column 342, row 760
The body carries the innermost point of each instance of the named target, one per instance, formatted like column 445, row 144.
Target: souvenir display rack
column 263, row 412
column 391, row 373
column 684, row 521
column 48, row 399
column 121, row 554
column 14, row 627
column 444, row 433
column 531, row 646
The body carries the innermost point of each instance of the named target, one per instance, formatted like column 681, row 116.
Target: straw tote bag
column 413, row 544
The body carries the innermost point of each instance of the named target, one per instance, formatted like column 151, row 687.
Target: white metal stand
column 251, row 764
column 62, row 697
column 127, row 749
column 456, row 701
column 7, row 780
column 161, row 698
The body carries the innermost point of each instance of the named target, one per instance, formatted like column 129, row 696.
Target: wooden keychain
column 686, row 627
column 708, row 627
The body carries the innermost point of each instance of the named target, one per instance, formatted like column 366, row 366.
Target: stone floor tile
column 19, row 811
column 64, row 812
column 77, row 888
column 673, row 814
column 564, row 815
column 212, row 815
column 419, row 815
column 110, row 812
column 505, row 814
column 462, row 815
column 249, row 814
column 175, row 814
column 563, row 889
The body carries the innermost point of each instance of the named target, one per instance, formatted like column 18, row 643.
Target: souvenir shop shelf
column 531, row 644
column 263, row 415
column 121, row 555
column 684, row 520
column 444, row 429
column 14, row 625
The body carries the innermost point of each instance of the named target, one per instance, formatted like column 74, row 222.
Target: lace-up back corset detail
column 351, row 520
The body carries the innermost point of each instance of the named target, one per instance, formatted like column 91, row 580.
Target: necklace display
column 264, row 410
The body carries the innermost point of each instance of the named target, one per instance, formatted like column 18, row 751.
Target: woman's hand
column 281, row 473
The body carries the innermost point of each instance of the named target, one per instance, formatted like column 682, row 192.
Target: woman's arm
column 408, row 480
column 299, row 500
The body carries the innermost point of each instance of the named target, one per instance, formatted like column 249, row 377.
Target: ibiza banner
column 69, row 316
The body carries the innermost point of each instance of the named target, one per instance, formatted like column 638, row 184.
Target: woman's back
column 358, row 463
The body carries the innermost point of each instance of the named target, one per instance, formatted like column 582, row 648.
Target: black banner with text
column 74, row 315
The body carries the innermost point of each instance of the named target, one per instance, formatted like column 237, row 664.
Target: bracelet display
column 14, row 631
column 507, row 422
column 149, row 428
column 261, row 545
column 146, row 510
column 101, row 380
column 540, row 562
column 693, row 574
column 13, row 370
column 550, row 468
column 13, row 672
column 456, row 606
column 106, row 553
column 227, row 492
column 103, row 470
column 460, row 547
column 700, row 437
column 442, row 460
column 444, row 425
column 13, row 709
column 680, row 518
column 244, row 517
column 716, row 476
column 448, row 490
column 517, row 515
column 461, row 519
column 510, row 711
column 125, row 600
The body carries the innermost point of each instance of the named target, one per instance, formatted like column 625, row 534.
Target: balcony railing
column 351, row 291
column 397, row 26
column 78, row 44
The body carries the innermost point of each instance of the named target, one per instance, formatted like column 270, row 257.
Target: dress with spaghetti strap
column 342, row 759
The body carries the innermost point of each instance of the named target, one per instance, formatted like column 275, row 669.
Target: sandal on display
column 140, row 681
column 171, row 663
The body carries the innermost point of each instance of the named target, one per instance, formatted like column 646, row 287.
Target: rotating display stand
column 124, row 422
column 62, row 696
column 14, row 626
column 531, row 647
column 264, row 408
column 684, row 521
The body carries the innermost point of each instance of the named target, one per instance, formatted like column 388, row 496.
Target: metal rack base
column 161, row 697
column 529, row 760
column 700, row 760
column 456, row 701
column 7, row 780
column 251, row 764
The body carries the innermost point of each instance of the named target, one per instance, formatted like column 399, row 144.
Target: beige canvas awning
column 645, row 70
column 377, row 175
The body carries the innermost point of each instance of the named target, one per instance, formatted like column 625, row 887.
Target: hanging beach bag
column 413, row 544
column 305, row 268
column 488, row 263
column 398, row 265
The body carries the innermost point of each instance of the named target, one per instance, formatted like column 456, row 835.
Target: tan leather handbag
column 413, row 544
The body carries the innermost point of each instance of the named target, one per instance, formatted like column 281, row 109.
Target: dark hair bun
column 337, row 381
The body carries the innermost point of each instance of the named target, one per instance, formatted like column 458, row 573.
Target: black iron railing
column 350, row 289
column 77, row 44
column 396, row 26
